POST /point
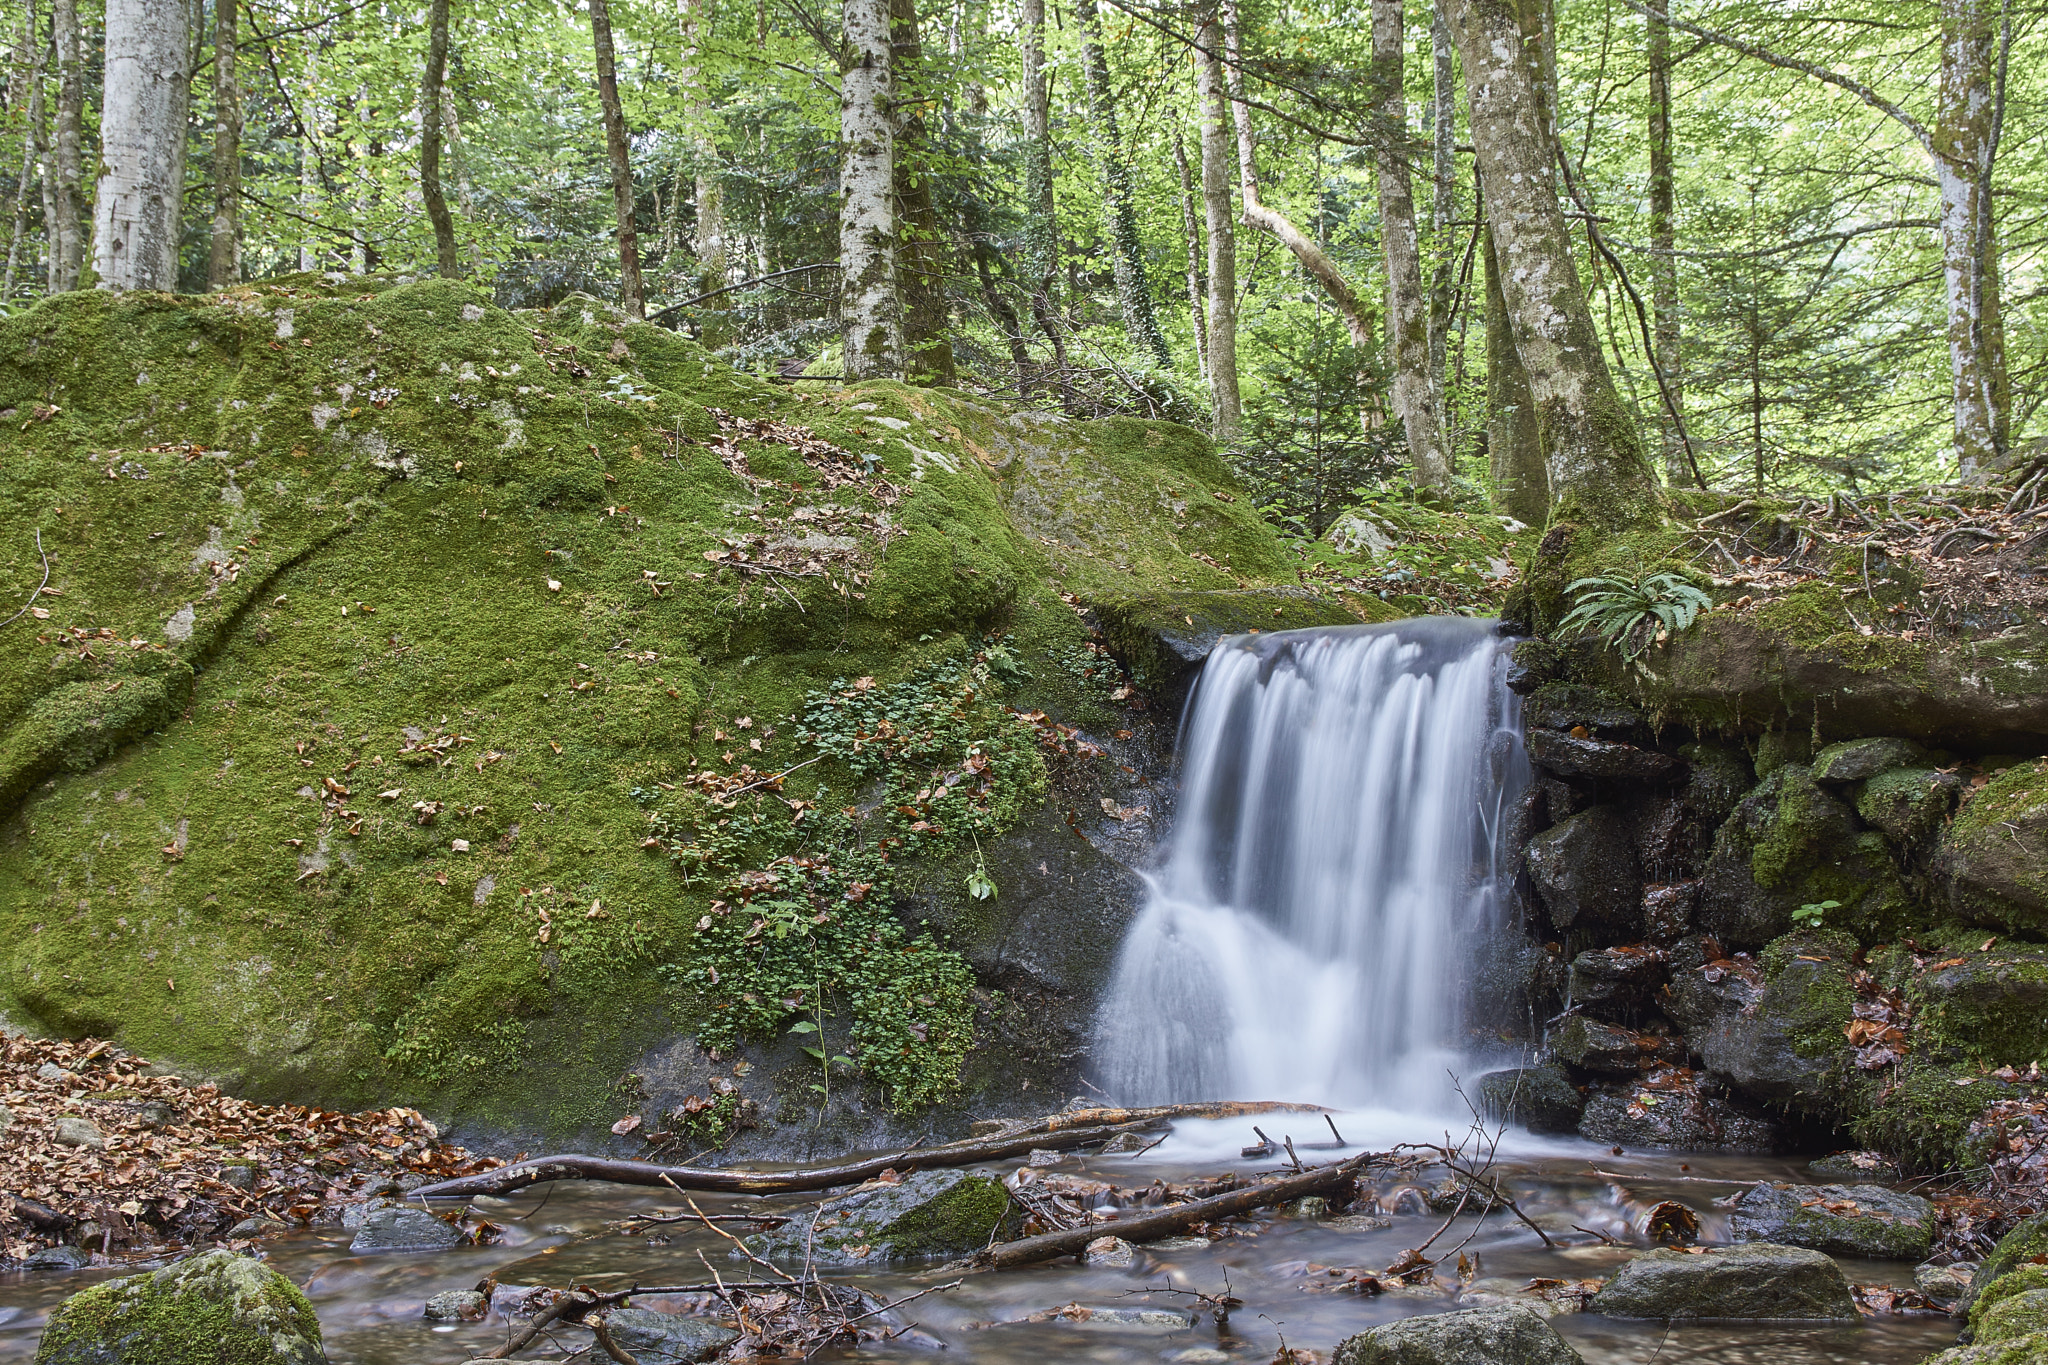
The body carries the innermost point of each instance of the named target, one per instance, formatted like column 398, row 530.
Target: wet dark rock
column 1992, row 861
column 1587, row 874
column 1593, row 1046
column 1668, row 910
column 1863, row 1220
column 1567, row 755
column 1554, row 801
column 1992, row 1005
column 1531, row 664
column 216, row 1306
column 1757, row 1280
column 1569, row 706
column 926, row 1214
column 1858, row 760
column 457, row 1305
column 1909, row 805
column 1944, row 1285
column 1677, row 1119
column 1506, row 1335
column 1858, row 1166
column 1623, row 977
column 398, row 1228
column 1774, row 1030
column 666, row 1338
column 1517, row 983
column 58, row 1257
column 1540, row 1098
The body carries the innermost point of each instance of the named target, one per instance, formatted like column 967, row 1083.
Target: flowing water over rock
column 1335, row 858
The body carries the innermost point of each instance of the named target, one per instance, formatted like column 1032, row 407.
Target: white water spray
column 1334, row 859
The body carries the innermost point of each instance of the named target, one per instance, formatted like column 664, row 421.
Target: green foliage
column 1633, row 612
column 1810, row 915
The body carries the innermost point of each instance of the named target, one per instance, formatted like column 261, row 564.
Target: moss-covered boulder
column 1509, row 1334
column 1922, row 1117
column 1908, row 805
column 1785, row 1043
column 216, row 1307
column 2021, row 1251
column 1993, row 859
column 1868, row 1220
column 1757, row 1280
column 1985, row 1005
column 1164, row 636
column 1855, row 760
column 1539, row 1098
column 924, row 1215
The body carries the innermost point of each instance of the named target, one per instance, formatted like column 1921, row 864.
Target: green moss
column 1811, row 853
column 1989, row 1007
column 1812, row 616
column 1807, row 976
column 2013, row 1305
column 2020, row 1252
column 217, row 1307
column 1921, row 1120
column 964, row 1217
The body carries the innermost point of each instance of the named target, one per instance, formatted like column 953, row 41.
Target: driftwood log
column 1058, row 1132
column 1179, row 1218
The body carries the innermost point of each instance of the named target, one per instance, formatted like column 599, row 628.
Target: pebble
column 6, row 1119
column 1357, row 1222
column 457, row 1305
column 50, row 1071
column 77, row 1132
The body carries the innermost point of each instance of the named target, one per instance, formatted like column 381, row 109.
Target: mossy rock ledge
column 1164, row 637
column 216, row 1307
column 925, row 1215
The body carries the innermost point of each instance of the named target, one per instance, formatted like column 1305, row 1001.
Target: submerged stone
column 926, row 1214
column 1757, row 1280
column 1503, row 1335
column 1864, row 1220
column 404, row 1229
column 216, row 1307
column 666, row 1338
column 457, row 1305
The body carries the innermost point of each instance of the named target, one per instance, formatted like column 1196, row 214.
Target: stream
column 370, row 1307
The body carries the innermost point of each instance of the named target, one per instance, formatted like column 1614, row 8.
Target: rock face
column 1540, row 1098
column 1867, row 1220
column 926, row 1214
column 1993, row 861
column 1691, row 1122
column 216, row 1307
column 1164, row 637
column 1774, row 1031
column 1759, row 1280
column 1987, row 1005
column 1570, row 755
column 1588, row 875
column 1508, row 1335
column 666, row 1338
column 399, row 1228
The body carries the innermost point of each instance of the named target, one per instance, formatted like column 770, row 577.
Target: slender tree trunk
column 619, row 150
column 1664, row 245
column 921, row 267
column 67, row 246
column 1127, row 260
column 142, row 146
column 432, row 90
column 224, row 246
column 1197, row 277
column 1407, row 307
column 30, row 67
column 1443, row 211
column 1966, row 136
column 708, row 247
column 1514, row 446
column 1041, row 226
column 1226, row 404
column 870, row 300
column 1596, row 465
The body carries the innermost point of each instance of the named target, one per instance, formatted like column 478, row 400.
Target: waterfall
column 1335, row 856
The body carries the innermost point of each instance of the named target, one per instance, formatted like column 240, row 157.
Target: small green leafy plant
column 1810, row 915
column 1634, row 613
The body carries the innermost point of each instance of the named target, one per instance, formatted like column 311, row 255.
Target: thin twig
column 39, row 587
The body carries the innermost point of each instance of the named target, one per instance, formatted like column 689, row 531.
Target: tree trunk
column 921, row 269
column 430, row 139
column 870, row 303
column 30, row 69
column 1664, row 245
column 142, row 146
column 1594, row 458
column 67, row 232
column 1197, row 276
column 1041, row 226
column 224, row 247
column 1965, row 146
column 1514, row 446
column 1226, row 404
column 1407, row 308
column 1127, row 260
column 1443, row 210
column 619, row 151
column 708, row 246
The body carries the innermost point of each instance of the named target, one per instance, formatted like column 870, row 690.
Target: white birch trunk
column 67, row 232
column 1226, row 403
column 1965, row 143
column 142, row 146
column 870, row 302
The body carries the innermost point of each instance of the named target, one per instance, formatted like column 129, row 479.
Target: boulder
column 1587, row 874
column 400, row 1228
column 1622, row 977
column 2010, row 1317
column 71, row 1131
column 1757, row 1280
column 925, row 1214
column 1992, row 862
column 1568, row 706
column 1858, row 760
column 666, row 1338
column 1944, row 1285
column 1570, row 755
column 1540, row 1098
column 1504, row 1335
column 1677, row 1119
column 1791, row 843
column 216, row 1306
column 1908, row 804
column 62, row 1256
column 1864, row 1220
column 1990, row 1006
column 2026, row 1245
column 1594, row 1046
column 1784, row 1043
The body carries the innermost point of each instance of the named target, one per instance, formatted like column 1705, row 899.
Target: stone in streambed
column 926, row 1214
column 666, row 1338
column 1540, row 1098
column 457, row 1305
column 217, row 1307
column 58, row 1257
column 1594, row 1046
column 1111, row 1253
column 1874, row 1167
column 404, row 1229
column 1944, row 1285
column 1677, row 1119
column 1757, row 1280
column 1505, row 1335
column 1863, row 1220
column 2026, row 1245
column 2008, row 1325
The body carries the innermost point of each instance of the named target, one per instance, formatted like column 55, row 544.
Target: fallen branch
column 506, row 1179
column 1207, row 1109
column 1179, row 1218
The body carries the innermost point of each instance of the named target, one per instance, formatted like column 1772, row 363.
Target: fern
column 1634, row 613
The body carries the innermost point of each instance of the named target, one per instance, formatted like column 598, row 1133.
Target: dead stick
column 610, row 1347
column 535, row 1325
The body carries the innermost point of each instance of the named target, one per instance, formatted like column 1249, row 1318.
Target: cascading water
column 1333, row 860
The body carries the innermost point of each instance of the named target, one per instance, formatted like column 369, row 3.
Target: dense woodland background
column 1793, row 287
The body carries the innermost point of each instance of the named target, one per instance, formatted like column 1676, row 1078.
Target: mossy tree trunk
column 928, row 349
column 1520, row 485
column 708, row 242
column 29, row 62
column 1664, row 244
column 1443, row 211
column 1966, row 135
column 430, row 143
column 1198, row 277
column 1594, row 459
column 142, row 146
column 870, row 301
column 1225, row 402
column 67, row 193
column 1127, row 259
column 619, row 152
column 1041, row 225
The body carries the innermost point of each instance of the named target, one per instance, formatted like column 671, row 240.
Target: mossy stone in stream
column 1868, row 1220
column 925, row 1214
column 2020, row 1250
column 1506, row 1335
column 666, row 1338
column 217, row 1307
column 1757, row 1280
